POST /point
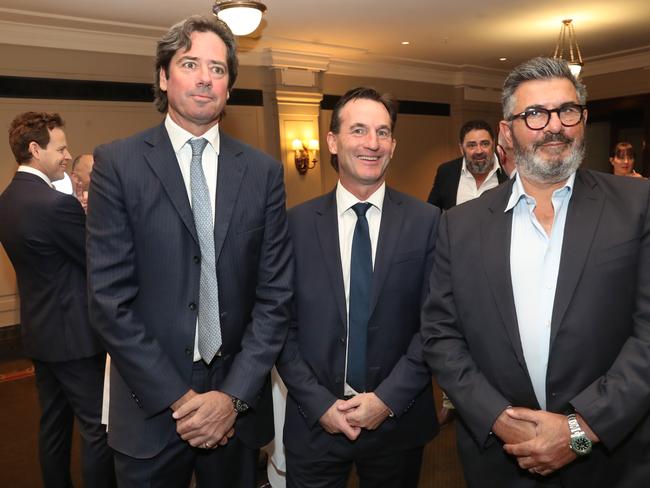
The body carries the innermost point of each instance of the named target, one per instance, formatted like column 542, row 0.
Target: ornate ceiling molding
column 141, row 40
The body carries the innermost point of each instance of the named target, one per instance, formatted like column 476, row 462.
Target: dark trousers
column 376, row 467
column 69, row 389
column 231, row 466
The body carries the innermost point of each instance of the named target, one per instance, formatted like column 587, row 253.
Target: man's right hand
column 334, row 422
column 184, row 399
column 513, row 431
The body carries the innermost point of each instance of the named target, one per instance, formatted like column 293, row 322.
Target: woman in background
column 622, row 160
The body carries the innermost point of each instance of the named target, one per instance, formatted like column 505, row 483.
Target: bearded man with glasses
column 544, row 345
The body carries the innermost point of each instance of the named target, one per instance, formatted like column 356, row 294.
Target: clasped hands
column 204, row 420
column 348, row 417
column 538, row 439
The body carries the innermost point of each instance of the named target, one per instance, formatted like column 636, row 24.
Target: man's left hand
column 206, row 420
column 365, row 410
column 549, row 450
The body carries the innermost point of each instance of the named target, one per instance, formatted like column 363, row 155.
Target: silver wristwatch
column 580, row 443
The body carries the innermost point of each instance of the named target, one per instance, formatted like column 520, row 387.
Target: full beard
column 535, row 168
column 478, row 167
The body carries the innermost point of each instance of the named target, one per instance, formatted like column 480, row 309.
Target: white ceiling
column 456, row 36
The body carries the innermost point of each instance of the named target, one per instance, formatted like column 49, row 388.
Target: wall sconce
column 306, row 154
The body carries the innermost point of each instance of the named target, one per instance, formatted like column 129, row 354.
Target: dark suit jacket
column 599, row 355
column 43, row 232
column 312, row 363
column 144, row 269
column 445, row 185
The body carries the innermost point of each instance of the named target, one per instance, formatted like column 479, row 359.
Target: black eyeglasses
column 538, row 118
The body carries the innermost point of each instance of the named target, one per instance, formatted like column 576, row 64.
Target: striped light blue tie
column 209, row 326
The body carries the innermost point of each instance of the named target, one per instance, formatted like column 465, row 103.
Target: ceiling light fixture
column 405, row 43
column 567, row 47
column 242, row 16
column 503, row 59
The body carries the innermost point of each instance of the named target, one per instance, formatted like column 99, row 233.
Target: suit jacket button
column 188, row 351
column 197, row 259
column 337, row 379
column 342, row 340
column 192, row 306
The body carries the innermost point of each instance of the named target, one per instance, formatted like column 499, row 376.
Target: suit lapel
column 389, row 232
column 162, row 160
column 583, row 216
column 327, row 229
column 455, row 183
column 495, row 251
column 230, row 173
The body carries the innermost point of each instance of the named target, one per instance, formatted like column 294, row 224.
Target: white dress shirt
column 347, row 220
column 24, row 168
column 534, row 267
column 64, row 185
column 179, row 138
column 467, row 183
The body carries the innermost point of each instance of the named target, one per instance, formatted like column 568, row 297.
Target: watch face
column 581, row 445
column 240, row 406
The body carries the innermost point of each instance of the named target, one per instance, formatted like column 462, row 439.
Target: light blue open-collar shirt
column 534, row 267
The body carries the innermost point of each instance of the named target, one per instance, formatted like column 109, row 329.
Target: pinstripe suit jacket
column 143, row 272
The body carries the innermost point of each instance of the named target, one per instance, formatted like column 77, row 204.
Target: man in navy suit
column 359, row 391
column 190, row 277
column 43, row 232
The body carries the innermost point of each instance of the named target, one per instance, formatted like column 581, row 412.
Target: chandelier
column 567, row 47
column 242, row 16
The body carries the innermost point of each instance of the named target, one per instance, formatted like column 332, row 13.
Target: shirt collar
column 495, row 166
column 24, row 168
column 345, row 199
column 179, row 136
column 518, row 191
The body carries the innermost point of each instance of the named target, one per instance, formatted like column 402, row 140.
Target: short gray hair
column 538, row 69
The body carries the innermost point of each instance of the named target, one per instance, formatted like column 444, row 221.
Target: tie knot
column 197, row 145
column 361, row 208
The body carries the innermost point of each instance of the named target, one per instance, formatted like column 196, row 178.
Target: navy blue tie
column 360, row 283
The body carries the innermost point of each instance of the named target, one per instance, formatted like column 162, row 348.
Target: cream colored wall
column 422, row 144
column 621, row 84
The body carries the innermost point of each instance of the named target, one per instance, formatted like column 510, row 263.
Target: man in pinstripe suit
column 174, row 408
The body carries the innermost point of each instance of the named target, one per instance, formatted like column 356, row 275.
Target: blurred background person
column 81, row 169
column 475, row 172
column 43, row 232
column 622, row 160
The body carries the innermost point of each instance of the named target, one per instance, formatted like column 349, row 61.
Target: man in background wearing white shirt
column 471, row 175
column 43, row 232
